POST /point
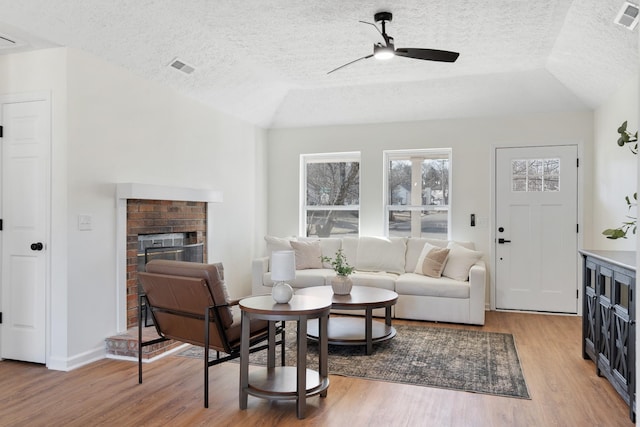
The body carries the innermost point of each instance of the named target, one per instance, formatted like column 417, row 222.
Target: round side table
column 285, row 382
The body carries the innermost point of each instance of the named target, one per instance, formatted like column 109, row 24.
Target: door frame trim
column 579, row 144
column 32, row 96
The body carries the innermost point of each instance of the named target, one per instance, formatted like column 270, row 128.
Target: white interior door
column 26, row 145
column 536, row 229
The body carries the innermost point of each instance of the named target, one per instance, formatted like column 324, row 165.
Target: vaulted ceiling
column 266, row 61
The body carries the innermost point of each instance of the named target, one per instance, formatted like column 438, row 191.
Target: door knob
column 37, row 246
column 503, row 241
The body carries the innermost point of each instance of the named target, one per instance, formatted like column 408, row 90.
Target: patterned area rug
column 465, row 360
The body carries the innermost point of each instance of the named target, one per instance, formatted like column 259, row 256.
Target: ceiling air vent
column 628, row 16
column 179, row 64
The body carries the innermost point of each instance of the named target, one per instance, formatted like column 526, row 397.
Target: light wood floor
column 564, row 392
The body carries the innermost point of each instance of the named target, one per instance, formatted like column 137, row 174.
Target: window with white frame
column 330, row 194
column 418, row 193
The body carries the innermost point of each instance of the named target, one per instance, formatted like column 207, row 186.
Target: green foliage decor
column 630, row 140
column 339, row 264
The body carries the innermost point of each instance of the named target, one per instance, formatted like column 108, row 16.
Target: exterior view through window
column 535, row 175
column 418, row 193
column 331, row 194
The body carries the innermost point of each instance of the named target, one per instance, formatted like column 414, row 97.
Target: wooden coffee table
column 355, row 330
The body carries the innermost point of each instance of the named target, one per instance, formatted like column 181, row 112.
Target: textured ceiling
column 266, row 61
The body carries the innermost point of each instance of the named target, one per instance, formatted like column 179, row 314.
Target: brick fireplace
column 144, row 209
column 158, row 218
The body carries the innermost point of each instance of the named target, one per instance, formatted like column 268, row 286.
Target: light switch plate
column 84, row 222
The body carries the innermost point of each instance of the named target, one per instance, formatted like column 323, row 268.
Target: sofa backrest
column 368, row 253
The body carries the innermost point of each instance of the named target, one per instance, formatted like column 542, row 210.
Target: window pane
column 400, row 182
column 518, row 168
column 552, row 166
column 519, row 184
column 333, row 184
column 535, row 168
column 433, row 224
column 551, row 183
column 326, row 223
column 534, row 184
column 435, row 182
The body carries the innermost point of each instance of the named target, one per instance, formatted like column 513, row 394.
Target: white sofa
column 390, row 263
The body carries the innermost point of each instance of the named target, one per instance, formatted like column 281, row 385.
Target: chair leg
column 140, row 339
column 206, row 358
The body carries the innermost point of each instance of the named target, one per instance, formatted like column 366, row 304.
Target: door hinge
column 578, row 163
column 577, row 228
column 577, row 293
column 0, row 225
column 0, row 317
column 1, row 128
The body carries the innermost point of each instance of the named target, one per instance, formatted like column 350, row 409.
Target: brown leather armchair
column 185, row 297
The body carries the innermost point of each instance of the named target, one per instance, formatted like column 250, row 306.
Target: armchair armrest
column 259, row 267
column 477, row 292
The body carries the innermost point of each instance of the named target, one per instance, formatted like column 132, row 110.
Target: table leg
column 244, row 361
column 323, row 357
column 387, row 315
column 271, row 351
column 302, row 366
column 368, row 330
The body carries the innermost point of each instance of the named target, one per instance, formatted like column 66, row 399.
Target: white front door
column 26, row 145
column 536, row 229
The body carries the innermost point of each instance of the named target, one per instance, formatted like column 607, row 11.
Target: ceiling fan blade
column 349, row 63
column 428, row 54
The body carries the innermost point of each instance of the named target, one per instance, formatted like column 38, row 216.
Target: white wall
column 472, row 141
column 615, row 168
column 122, row 128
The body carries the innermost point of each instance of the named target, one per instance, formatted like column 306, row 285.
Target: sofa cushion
column 415, row 284
column 380, row 280
column 350, row 249
column 431, row 261
column 460, row 261
column 381, row 254
column 277, row 244
column 308, row 254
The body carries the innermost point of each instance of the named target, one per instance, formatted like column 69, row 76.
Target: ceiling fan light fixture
column 383, row 52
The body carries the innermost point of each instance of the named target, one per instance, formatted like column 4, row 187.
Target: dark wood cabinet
column 608, row 318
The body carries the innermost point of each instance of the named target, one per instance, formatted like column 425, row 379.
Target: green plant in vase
column 339, row 264
column 341, row 284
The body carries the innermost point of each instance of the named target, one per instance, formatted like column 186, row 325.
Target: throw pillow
column 432, row 261
column 460, row 261
column 277, row 244
column 307, row 254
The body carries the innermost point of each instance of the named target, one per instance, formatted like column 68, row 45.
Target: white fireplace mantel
column 130, row 190
column 125, row 191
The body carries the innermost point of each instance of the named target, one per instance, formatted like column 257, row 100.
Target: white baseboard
column 77, row 361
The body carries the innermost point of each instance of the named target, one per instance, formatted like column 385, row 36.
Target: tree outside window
column 332, row 194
